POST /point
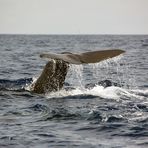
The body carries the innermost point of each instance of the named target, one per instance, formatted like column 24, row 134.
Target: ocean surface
column 101, row 115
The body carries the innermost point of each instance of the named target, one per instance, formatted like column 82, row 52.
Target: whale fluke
column 84, row 58
column 53, row 76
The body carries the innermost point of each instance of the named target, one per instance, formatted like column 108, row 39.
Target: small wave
column 136, row 131
column 18, row 84
column 141, row 92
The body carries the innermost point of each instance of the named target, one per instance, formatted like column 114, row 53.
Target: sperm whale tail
column 84, row 58
column 54, row 73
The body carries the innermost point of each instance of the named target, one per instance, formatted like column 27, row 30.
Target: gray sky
column 74, row 16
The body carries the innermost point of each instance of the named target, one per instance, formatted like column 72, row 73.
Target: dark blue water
column 92, row 117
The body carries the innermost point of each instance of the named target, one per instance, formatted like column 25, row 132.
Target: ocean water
column 96, row 116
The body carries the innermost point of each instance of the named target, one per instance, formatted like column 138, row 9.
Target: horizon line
column 70, row 34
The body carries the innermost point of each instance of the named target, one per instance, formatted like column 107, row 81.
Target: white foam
column 142, row 94
column 30, row 86
column 109, row 92
column 112, row 92
column 145, row 92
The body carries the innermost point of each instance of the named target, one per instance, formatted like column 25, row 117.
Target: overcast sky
column 74, row 16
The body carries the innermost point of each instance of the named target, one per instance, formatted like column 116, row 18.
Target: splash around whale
column 54, row 73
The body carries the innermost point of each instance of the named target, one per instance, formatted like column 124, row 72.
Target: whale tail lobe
column 84, row 58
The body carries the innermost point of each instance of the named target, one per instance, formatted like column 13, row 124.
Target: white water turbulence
column 113, row 69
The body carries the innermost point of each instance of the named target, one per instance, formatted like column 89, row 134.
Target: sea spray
column 113, row 69
column 76, row 75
